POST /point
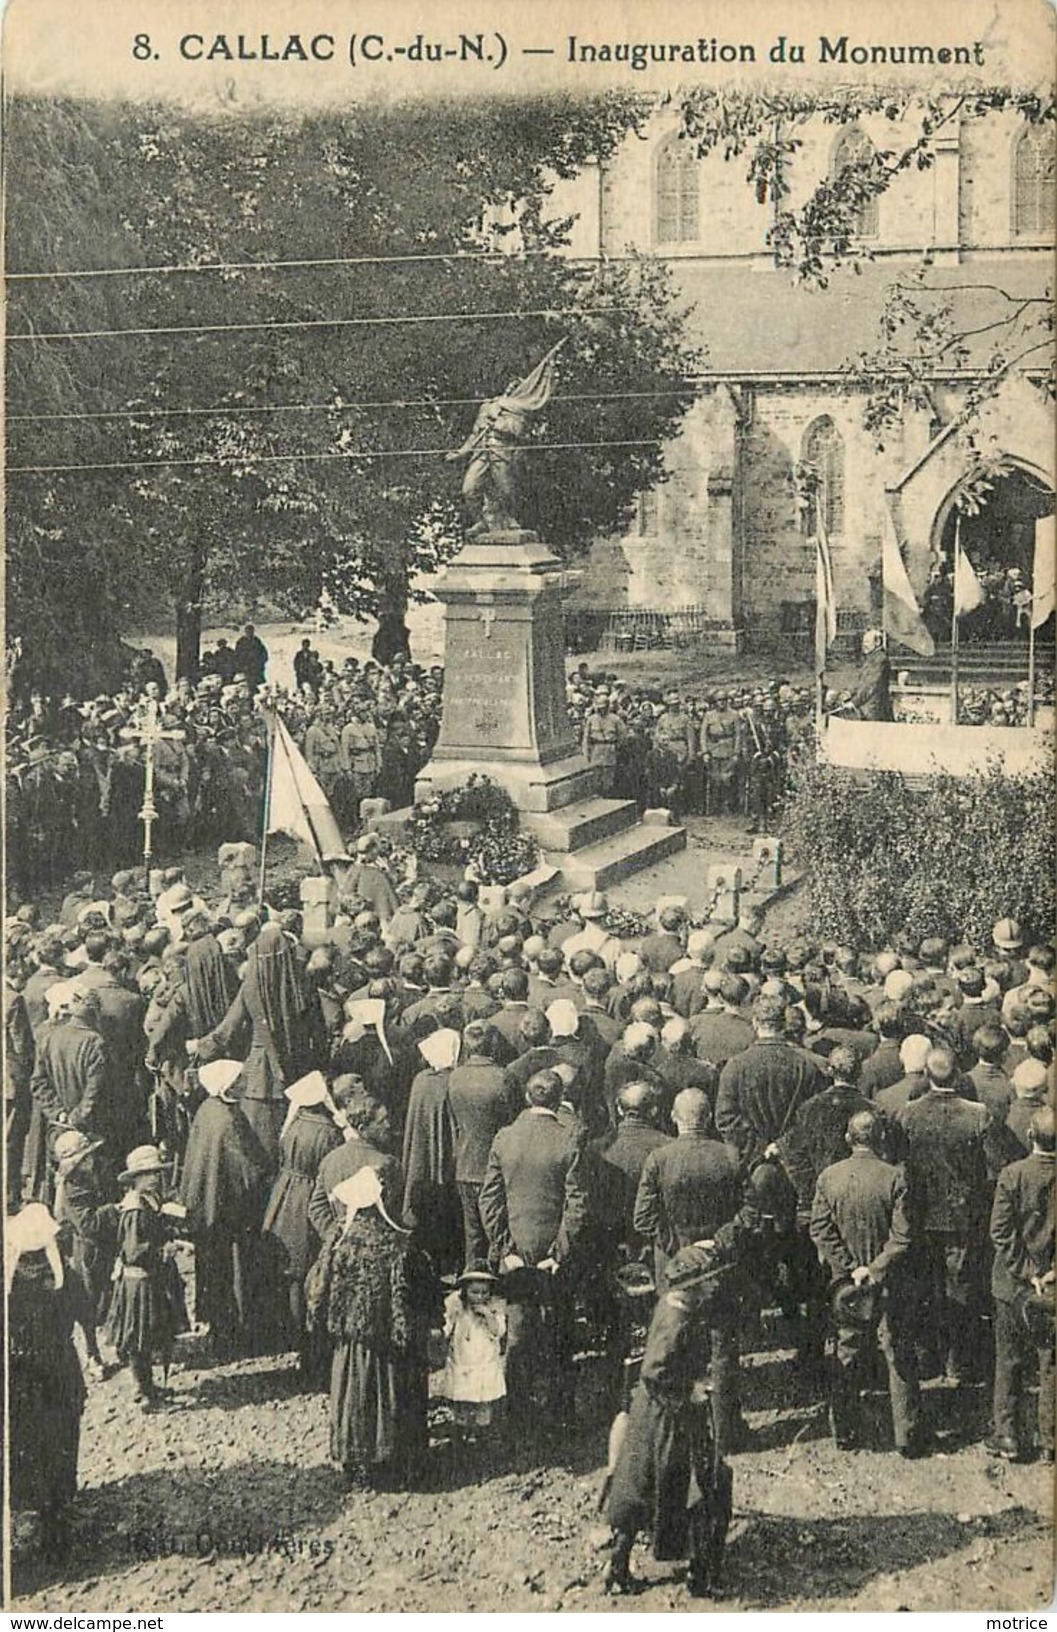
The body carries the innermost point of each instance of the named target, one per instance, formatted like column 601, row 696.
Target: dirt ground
column 227, row 1500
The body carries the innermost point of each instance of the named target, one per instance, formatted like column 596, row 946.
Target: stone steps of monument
column 601, row 865
column 575, row 826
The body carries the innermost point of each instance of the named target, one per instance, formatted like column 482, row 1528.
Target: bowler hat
column 855, row 1305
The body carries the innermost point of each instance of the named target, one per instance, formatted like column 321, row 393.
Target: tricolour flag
column 297, row 804
column 902, row 614
column 968, row 590
column 1043, row 571
column 825, row 594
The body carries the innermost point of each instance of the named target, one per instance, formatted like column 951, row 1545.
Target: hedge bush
column 946, row 855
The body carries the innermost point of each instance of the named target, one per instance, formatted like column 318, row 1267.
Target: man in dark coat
column 690, row 1187
column 720, row 1030
column 483, row 1099
column 816, row 1137
column 1022, row 1233
column 19, row 1055
column 871, row 697
column 973, row 1013
column 665, row 945
column 538, row 1050
column 760, row 1092
column 251, row 657
column 534, row 1210
column 513, row 987
column 762, row 1088
column 622, row 1156
column 861, row 1226
column 884, row 1065
column 71, row 1077
column 121, row 1013
column 946, row 1165
column 993, row 1088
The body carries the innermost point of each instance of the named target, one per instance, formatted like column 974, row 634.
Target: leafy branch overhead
column 296, row 440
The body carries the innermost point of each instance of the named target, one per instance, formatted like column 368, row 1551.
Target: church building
column 725, row 545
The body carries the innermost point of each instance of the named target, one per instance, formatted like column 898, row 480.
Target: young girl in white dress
column 474, row 1376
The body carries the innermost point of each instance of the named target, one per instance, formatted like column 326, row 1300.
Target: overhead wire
column 352, row 455
column 330, row 407
column 431, row 256
column 171, row 330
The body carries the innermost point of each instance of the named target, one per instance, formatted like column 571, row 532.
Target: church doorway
column 999, row 543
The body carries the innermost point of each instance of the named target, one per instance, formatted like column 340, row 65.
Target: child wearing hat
column 147, row 1309
column 475, row 1329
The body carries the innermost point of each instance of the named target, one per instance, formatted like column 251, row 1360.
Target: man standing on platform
column 871, row 697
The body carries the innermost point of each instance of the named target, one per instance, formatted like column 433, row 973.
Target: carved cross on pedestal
column 488, row 618
column 149, row 732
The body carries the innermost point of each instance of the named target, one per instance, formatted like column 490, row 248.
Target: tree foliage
column 271, row 461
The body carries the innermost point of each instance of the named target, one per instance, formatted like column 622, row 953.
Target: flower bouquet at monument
column 474, row 824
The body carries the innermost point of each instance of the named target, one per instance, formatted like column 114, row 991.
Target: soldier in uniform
column 764, row 744
column 723, row 754
column 361, row 755
column 602, row 735
column 674, row 748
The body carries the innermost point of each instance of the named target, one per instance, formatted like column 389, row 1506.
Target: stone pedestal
column 504, row 716
column 724, row 888
column 317, row 902
column 767, row 864
column 504, row 678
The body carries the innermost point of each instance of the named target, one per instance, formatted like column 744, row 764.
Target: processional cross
column 149, row 733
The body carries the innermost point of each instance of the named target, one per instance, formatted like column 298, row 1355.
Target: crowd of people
column 447, row 1150
column 75, row 769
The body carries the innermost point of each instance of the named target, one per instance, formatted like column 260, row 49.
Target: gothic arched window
column 824, row 452
column 1033, row 183
column 853, row 147
column 677, row 194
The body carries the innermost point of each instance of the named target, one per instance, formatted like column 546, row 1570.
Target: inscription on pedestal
column 486, row 696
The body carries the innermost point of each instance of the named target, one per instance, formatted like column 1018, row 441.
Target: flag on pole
column 902, row 614
column 825, row 595
column 532, row 393
column 297, row 804
column 1043, row 572
column 968, row 590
